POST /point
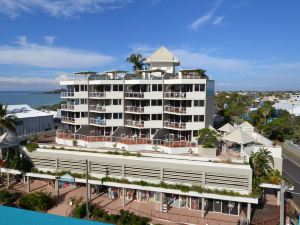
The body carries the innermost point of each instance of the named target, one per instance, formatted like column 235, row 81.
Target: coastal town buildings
column 135, row 136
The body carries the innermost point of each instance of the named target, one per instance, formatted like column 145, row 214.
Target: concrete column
column 278, row 198
column 123, row 170
column 202, row 207
column 162, row 174
column 28, row 184
column 8, row 181
column 203, row 179
column 56, row 187
column 89, row 190
column 249, row 212
column 124, row 198
column 161, row 202
column 239, row 209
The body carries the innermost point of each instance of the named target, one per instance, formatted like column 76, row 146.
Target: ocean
column 33, row 99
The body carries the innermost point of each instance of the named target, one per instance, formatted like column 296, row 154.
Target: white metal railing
column 175, row 109
column 68, row 119
column 67, row 106
column 134, row 94
column 97, row 94
column 97, row 108
column 98, row 121
column 134, row 123
column 178, row 125
column 134, row 109
column 67, row 94
column 175, row 94
column 126, row 139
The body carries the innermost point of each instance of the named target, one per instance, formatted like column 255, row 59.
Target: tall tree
column 261, row 162
column 137, row 61
column 6, row 121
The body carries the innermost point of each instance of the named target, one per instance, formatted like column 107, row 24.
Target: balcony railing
column 175, row 94
column 68, row 119
column 64, row 135
column 97, row 94
column 134, row 109
column 97, row 108
column 129, row 140
column 67, row 106
column 98, row 121
column 67, row 94
column 181, row 110
column 134, row 95
column 135, row 123
column 180, row 125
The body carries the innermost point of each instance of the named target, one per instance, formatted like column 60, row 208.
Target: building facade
column 154, row 104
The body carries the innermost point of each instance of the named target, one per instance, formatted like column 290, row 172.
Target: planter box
column 211, row 152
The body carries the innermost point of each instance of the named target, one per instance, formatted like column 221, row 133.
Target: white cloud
column 49, row 40
column 202, row 20
column 218, row 20
column 31, row 54
column 58, row 8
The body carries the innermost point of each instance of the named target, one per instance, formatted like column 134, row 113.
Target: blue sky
column 243, row 44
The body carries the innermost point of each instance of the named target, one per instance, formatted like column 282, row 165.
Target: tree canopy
column 6, row 121
column 137, row 61
column 208, row 138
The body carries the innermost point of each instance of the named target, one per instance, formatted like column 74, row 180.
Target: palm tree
column 137, row 60
column 266, row 111
column 261, row 162
column 6, row 121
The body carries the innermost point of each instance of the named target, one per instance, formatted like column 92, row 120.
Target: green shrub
column 79, row 211
column 37, row 201
column 31, row 146
column 7, row 197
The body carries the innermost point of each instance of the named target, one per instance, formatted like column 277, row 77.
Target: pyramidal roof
column 226, row 128
column 163, row 55
column 239, row 136
column 246, row 124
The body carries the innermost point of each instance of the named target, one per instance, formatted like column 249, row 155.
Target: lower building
column 30, row 121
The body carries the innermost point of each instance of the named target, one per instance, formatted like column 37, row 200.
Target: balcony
column 134, row 123
column 65, row 135
column 97, row 108
column 98, row 121
column 175, row 125
column 175, row 110
column 134, row 109
column 67, row 106
column 97, row 94
column 67, row 94
column 67, row 119
column 134, row 95
column 175, row 95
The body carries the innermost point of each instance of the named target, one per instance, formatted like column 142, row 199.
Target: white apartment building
column 154, row 106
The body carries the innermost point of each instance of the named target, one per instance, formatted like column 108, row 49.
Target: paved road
column 291, row 169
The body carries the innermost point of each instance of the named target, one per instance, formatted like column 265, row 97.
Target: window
column 202, row 87
column 198, row 118
column 120, row 87
column 159, row 87
column 115, row 87
column 156, row 102
column 156, row 117
column 198, row 103
column 117, row 101
column 197, row 87
column 154, row 87
column 117, row 115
